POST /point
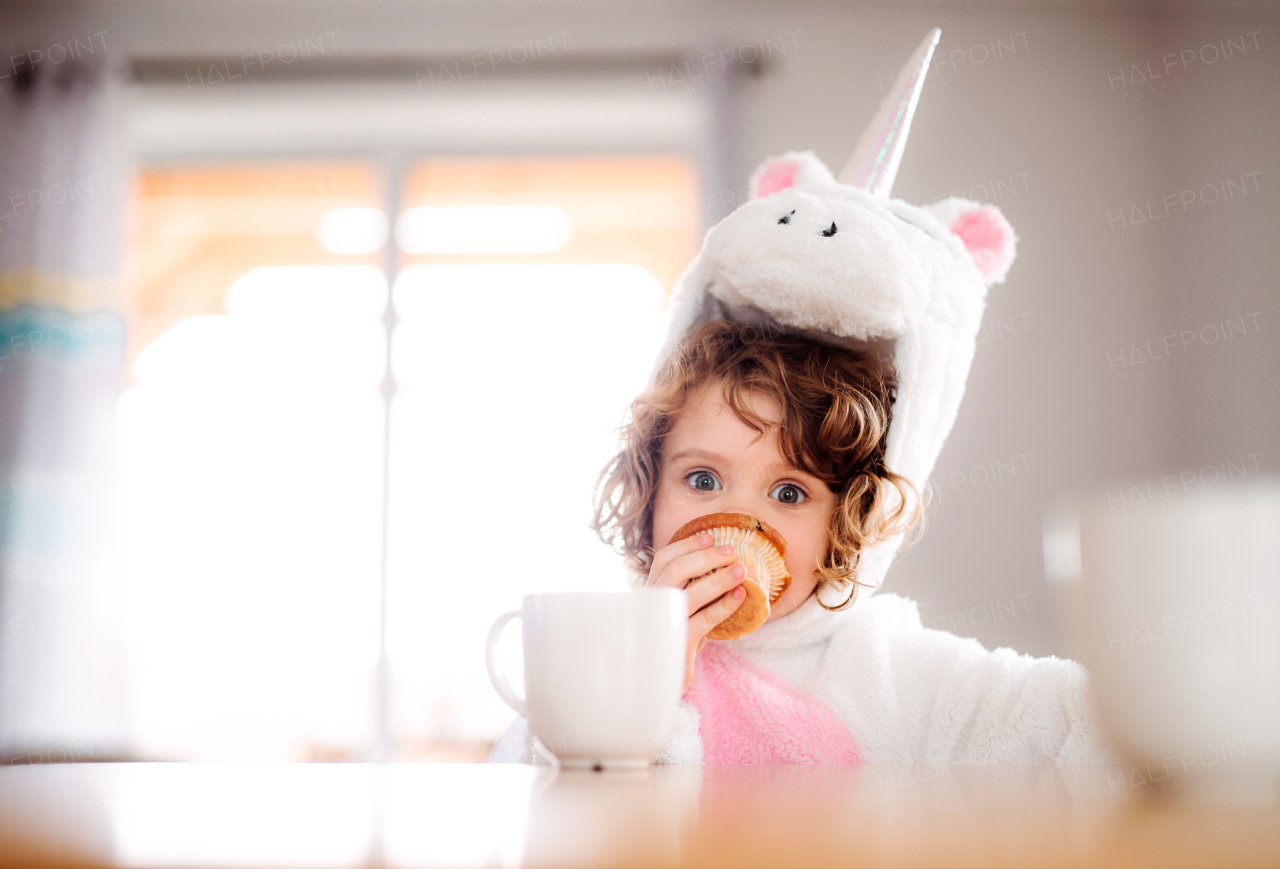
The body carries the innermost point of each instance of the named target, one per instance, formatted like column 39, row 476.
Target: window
column 527, row 306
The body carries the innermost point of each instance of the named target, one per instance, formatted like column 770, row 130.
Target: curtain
column 62, row 656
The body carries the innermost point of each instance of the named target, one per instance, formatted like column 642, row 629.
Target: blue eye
column 703, row 481
column 788, row 493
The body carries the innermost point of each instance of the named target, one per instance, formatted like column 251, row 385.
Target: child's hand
column 711, row 599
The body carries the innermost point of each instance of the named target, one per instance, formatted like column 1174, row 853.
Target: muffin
column 760, row 549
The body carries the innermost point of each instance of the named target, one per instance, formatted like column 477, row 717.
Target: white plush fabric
column 908, row 694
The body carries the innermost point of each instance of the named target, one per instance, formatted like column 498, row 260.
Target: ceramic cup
column 603, row 672
column 1173, row 600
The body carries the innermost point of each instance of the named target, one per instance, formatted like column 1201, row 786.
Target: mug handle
column 496, row 676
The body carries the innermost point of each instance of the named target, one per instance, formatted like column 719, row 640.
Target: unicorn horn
column 874, row 163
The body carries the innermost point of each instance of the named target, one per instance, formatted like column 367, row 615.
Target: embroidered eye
column 786, row 218
column 830, row 232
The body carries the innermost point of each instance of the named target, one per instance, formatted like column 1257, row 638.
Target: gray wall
column 1056, row 392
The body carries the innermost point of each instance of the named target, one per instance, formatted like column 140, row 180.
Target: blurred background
column 306, row 308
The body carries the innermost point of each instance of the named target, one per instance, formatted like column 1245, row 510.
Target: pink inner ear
column 778, row 175
column 987, row 236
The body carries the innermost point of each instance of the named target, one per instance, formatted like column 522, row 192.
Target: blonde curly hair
column 836, row 408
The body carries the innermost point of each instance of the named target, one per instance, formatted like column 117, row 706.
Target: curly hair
column 836, row 408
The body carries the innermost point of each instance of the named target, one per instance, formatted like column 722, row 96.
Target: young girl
column 818, row 350
column 793, row 432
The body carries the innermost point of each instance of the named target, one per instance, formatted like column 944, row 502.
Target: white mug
column 1175, row 608
column 603, row 672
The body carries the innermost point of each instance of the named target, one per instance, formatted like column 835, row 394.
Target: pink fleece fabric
column 752, row 716
column 989, row 238
column 779, row 175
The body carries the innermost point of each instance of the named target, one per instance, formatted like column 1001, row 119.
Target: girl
column 793, row 432
column 818, row 351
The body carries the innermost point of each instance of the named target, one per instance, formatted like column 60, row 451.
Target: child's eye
column 703, row 481
column 788, row 493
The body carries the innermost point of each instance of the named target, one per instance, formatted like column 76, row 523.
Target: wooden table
column 468, row 815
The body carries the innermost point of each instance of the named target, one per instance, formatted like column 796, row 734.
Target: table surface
column 464, row 815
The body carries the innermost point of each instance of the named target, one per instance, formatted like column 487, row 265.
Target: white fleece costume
column 906, row 694
column 842, row 263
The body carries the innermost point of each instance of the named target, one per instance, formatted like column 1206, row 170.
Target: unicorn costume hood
column 837, row 260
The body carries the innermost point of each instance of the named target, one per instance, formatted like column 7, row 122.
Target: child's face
column 710, row 465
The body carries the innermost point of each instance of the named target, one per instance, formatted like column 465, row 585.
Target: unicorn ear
column 986, row 234
column 801, row 169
